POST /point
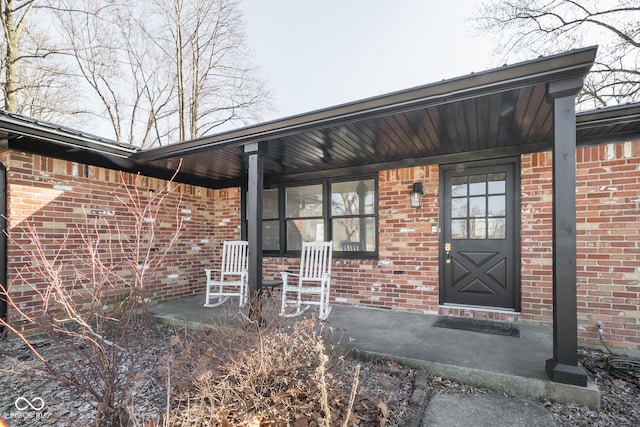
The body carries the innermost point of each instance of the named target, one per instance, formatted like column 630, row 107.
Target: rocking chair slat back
column 312, row 285
column 231, row 278
column 234, row 257
column 315, row 261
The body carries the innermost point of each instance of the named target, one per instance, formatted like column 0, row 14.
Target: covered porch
column 523, row 108
column 503, row 113
column 504, row 364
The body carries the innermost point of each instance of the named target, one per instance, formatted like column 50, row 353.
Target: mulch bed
column 383, row 399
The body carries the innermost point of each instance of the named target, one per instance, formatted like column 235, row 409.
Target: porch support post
column 255, row 181
column 563, row 367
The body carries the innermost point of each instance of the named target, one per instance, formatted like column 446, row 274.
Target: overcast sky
column 317, row 54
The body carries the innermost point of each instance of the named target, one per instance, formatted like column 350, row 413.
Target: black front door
column 479, row 249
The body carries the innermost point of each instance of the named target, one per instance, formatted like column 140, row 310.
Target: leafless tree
column 145, row 73
column 15, row 16
column 163, row 71
column 204, row 43
column 33, row 81
column 91, row 44
column 541, row 27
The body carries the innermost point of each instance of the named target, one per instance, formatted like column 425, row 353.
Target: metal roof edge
column 608, row 117
column 616, row 114
column 17, row 124
column 573, row 63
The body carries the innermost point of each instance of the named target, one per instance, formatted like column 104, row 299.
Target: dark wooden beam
column 469, row 156
column 3, row 242
column 563, row 366
column 255, row 153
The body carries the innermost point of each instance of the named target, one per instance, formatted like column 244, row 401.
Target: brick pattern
column 608, row 232
column 405, row 277
column 536, row 231
column 608, row 227
column 53, row 197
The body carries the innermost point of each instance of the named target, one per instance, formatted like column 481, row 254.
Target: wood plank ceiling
column 500, row 112
column 513, row 118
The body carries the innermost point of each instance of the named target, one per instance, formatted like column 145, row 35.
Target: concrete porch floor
column 512, row 365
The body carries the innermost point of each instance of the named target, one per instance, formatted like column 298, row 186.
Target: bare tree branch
column 539, row 27
column 147, row 73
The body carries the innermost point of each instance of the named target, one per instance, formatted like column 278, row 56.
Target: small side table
column 268, row 287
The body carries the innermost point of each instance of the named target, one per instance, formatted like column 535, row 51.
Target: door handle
column 447, row 253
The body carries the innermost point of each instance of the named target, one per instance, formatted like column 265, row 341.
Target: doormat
column 478, row 325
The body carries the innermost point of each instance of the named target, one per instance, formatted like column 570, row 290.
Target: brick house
column 497, row 204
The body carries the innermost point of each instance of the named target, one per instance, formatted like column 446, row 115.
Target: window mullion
column 282, row 216
column 326, row 210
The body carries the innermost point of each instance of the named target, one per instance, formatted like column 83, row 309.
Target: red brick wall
column 536, row 237
column 45, row 193
column 608, row 224
column 405, row 277
column 608, row 233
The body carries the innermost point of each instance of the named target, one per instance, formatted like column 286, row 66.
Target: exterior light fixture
column 415, row 197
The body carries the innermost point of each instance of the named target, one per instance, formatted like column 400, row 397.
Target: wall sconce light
column 415, row 197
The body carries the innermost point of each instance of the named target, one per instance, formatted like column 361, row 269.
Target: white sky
column 317, row 54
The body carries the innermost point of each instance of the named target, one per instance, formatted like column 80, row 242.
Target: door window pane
column 477, row 185
column 459, row 229
column 459, row 186
column 477, row 207
column 497, row 183
column 497, row 205
column 305, row 201
column 478, row 228
column 353, row 198
column 459, row 207
column 496, row 228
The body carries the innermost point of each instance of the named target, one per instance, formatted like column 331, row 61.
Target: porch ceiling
column 495, row 113
column 513, row 118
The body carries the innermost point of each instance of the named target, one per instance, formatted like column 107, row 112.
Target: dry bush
column 88, row 299
column 278, row 374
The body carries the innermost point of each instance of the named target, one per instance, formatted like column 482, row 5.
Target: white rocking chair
column 232, row 275
column 311, row 286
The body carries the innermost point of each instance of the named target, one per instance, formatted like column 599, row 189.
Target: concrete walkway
column 505, row 364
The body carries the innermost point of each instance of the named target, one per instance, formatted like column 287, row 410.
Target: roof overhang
column 620, row 123
column 29, row 135
column 504, row 111
column 496, row 113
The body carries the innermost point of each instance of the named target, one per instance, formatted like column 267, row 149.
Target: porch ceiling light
column 415, row 197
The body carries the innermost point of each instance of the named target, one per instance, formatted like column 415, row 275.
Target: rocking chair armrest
column 285, row 276
column 208, row 271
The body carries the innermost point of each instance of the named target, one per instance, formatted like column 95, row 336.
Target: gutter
column 576, row 62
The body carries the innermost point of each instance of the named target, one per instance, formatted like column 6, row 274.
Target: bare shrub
column 88, row 299
column 279, row 374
